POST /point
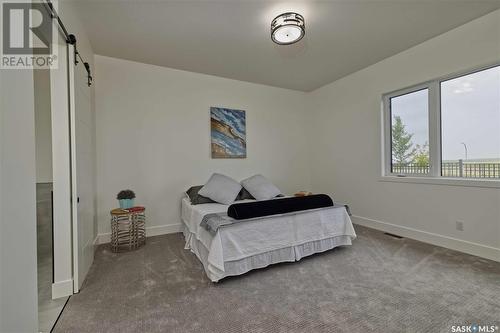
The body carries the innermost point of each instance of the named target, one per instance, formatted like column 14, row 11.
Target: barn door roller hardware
column 70, row 39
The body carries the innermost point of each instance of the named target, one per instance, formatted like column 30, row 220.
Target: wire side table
column 127, row 229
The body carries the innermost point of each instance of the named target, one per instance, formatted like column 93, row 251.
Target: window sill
column 484, row 183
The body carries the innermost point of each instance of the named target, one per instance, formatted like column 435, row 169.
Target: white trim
column 387, row 125
column 61, row 177
column 96, row 240
column 103, row 238
column 62, row 289
column 448, row 77
column 435, row 129
column 479, row 250
column 73, row 182
column 154, row 230
column 484, row 183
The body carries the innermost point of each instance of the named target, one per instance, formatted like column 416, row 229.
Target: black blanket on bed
column 248, row 210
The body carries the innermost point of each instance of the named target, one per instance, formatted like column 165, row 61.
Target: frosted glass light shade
column 287, row 28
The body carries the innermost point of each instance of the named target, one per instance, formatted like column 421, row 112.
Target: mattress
column 238, row 248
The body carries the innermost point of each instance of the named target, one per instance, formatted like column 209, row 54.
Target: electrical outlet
column 459, row 225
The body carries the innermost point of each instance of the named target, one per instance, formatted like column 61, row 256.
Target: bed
column 257, row 243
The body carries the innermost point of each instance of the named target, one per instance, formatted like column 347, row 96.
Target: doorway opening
column 48, row 308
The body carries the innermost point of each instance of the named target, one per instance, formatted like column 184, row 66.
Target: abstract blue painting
column 228, row 132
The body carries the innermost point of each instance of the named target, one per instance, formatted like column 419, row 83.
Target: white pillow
column 221, row 189
column 260, row 187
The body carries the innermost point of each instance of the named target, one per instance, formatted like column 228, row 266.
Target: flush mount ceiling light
column 287, row 28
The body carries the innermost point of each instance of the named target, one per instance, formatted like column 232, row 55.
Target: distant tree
column 403, row 150
column 421, row 157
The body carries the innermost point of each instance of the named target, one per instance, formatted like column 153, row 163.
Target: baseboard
column 154, row 230
column 157, row 230
column 479, row 250
column 62, row 289
column 103, row 238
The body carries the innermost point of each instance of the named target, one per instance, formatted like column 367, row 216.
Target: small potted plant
column 126, row 199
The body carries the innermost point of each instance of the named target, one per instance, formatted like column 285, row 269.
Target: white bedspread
column 249, row 238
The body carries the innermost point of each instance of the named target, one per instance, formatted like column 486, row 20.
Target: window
column 470, row 125
column 445, row 128
column 410, row 133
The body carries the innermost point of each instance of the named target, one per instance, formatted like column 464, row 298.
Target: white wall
column 43, row 128
column 346, row 145
column 18, row 284
column 153, row 135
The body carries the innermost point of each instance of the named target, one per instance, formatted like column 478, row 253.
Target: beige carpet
column 380, row 284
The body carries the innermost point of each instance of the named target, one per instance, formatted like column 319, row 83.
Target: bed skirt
column 241, row 266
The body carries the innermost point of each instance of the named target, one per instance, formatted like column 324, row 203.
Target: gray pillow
column 260, row 187
column 195, row 198
column 221, row 189
column 244, row 194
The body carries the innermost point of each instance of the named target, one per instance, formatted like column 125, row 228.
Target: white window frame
column 433, row 155
column 434, row 176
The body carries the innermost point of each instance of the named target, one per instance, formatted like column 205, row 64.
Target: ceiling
column 232, row 39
